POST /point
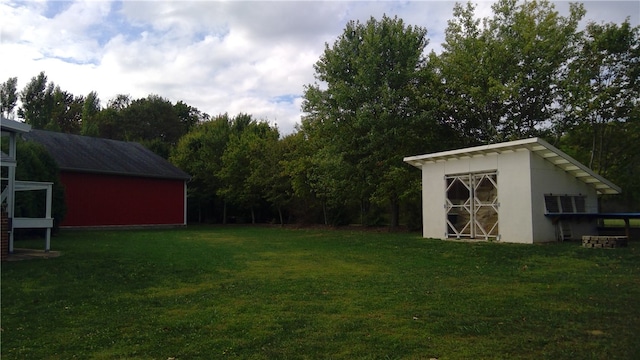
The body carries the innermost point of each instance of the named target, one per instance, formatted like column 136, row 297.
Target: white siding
column 526, row 171
column 514, row 213
column 433, row 198
column 549, row 179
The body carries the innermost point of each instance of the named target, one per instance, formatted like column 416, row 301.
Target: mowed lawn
column 274, row 293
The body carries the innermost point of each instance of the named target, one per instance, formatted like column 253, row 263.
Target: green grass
column 620, row 222
column 271, row 293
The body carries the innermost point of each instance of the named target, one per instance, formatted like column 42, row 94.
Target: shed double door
column 472, row 206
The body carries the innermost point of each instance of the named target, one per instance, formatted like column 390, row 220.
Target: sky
column 219, row 56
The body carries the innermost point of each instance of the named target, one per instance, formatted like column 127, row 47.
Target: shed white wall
column 526, row 170
column 514, row 217
column 514, row 183
column 523, row 179
column 547, row 178
column 433, row 198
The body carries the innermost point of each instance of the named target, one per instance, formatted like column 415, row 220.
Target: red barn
column 115, row 183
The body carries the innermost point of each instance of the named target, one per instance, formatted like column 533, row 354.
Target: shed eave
column 535, row 145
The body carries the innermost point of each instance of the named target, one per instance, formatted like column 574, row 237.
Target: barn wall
column 547, row 178
column 106, row 200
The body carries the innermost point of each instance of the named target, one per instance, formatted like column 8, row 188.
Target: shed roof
column 536, row 145
column 104, row 156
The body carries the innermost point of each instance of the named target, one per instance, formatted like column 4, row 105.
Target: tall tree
column 150, row 118
column 468, row 106
column 602, row 105
column 153, row 121
column 90, row 109
column 501, row 80
column 189, row 116
column 66, row 112
column 8, row 96
column 199, row 153
column 297, row 165
column 603, row 85
column 37, row 102
column 243, row 175
column 372, row 110
column 270, row 174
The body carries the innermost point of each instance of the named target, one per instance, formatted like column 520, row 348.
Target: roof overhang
column 535, row 145
column 14, row 126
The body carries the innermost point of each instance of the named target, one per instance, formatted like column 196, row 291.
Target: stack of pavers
column 604, row 241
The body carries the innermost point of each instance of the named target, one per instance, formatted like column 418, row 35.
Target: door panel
column 472, row 205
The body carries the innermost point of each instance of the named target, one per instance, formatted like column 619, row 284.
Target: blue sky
column 232, row 56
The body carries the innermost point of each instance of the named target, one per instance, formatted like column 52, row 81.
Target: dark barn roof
column 103, row 156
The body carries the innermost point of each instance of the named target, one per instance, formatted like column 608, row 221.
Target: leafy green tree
column 467, row 106
column 106, row 124
column 269, row 172
column 199, row 153
column 602, row 109
column 189, row 116
column 372, row 105
column 8, row 96
column 90, row 109
column 151, row 118
column 328, row 176
column 603, row 85
column 66, row 112
column 243, row 175
column 298, row 151
column 153, row 121
column 502, row 80
column 46, row 106
column 37, row 102
column 120, row 102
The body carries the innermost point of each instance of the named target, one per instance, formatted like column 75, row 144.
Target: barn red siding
column 100, row 200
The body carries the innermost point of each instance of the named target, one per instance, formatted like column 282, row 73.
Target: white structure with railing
column 10, row 130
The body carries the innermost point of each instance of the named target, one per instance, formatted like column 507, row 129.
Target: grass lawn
column 272, row 293
column 620, row 222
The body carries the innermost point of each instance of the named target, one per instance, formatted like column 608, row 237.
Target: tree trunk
column 395, row 214
column 594, row 127
column 224, row 212
column 280, row 214
column 253, row 216
column 324, row 212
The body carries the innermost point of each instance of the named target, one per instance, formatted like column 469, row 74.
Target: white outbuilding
column 508, row 192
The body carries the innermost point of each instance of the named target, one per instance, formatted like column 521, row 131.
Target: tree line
column 379, row 96
column 154, row 121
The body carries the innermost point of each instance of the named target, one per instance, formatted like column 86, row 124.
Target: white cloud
column 219, row 56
